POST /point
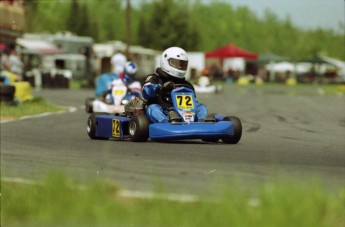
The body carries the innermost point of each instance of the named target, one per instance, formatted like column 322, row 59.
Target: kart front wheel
column 237, row 130
column 139, row 128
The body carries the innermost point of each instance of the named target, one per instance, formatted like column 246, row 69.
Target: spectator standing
column 4, row 60
column 15, row 63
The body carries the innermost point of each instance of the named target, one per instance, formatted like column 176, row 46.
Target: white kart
column 115, row 101
column 204, row 86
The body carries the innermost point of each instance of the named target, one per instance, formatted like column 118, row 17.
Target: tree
column 193, row 25
column 78, row 20
column 84, row 27
column 167, row 26
column 73, row 17
column 31, row 8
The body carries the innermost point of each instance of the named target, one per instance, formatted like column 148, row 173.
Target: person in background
column 130, row 69
column 15, row 63
column 126, row 78
column 118, row 61
column 4, row 60
column 172, row 70
column 129, row 72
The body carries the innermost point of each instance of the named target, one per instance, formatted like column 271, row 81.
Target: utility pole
column 128, row 27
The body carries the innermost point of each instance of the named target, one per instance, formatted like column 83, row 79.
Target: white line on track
column 70, row 109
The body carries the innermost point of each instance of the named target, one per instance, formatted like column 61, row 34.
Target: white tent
column 339, row 64
column 284, row 67
column 288, row 66
column 235, row 63
column 281, row 67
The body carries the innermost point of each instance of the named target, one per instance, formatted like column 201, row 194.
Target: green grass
column 333, row 89
column 60, row 201
column 78, row 84
column 36, row 106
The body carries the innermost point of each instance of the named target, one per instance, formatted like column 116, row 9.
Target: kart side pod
column 107, row 126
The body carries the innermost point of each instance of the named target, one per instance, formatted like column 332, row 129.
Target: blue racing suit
column 158, row 107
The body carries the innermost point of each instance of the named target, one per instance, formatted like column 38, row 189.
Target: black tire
column 91, row 126
column 237, row 130
column 214, row 140
column 139, row 128
column 7, row 90
column 7, row 93
column 88, row 105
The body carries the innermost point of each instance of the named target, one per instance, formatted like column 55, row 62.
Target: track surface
column 287, row 131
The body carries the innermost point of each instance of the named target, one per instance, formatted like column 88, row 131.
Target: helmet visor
column 179, row 64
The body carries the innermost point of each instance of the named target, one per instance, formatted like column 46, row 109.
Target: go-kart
column 205, row 86
column 115, row 101
column 134, row 124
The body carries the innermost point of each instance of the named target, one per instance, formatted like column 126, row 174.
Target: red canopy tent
column 231, row 51
column 2, row 46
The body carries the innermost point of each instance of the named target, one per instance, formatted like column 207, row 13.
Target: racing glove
column 150, row 90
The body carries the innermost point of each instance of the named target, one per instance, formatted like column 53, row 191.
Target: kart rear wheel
column 237, row 130
column 139, row 128
column 213, row 140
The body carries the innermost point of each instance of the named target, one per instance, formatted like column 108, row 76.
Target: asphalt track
column 288, row 133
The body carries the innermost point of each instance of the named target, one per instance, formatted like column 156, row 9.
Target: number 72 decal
column 184, row 102
column 116, row 128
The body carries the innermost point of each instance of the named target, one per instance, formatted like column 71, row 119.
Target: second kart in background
column 114, row 91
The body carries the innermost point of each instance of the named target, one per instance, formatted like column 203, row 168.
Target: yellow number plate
column 116, row 128
column 118, row 92
column 184, row 102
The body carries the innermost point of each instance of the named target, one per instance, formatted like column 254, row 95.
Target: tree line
column 193, row 25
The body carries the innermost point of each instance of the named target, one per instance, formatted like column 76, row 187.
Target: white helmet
column 174, row 61
column 130, row 68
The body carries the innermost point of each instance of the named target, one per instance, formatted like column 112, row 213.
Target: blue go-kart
column 134, row 124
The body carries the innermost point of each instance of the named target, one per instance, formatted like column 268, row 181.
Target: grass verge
column 59, row 201
column 36, row 106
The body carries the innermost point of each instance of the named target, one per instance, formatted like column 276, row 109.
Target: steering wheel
column 168, row 87
column 184, row 85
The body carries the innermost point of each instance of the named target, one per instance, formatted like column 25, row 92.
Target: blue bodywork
column 111, row 126
column 184, row 102
column 168, row 131
column 107, row 128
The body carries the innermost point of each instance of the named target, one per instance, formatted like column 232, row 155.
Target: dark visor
column 179, row 64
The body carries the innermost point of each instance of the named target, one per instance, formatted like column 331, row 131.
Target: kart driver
column 157, row 87
column 125, row 78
